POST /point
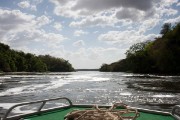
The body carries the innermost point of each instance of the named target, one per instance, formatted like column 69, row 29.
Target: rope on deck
column 97, row 113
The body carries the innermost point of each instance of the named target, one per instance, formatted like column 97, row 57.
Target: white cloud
column 147, row 25
column 29, row 4
column 173, row 20
column 33, row 36
column 79, row 33
column 131, row 21
column 168, row 2
column 165, row 8
column 95, row 32
column 19, row 29
column 36, row 2
column 169, row 11
column 14, row 20
column 63, row 8
column 33, row 7
column 110, row 13
column 24, row 4
column 43, row 20
column 80, row 53
column 84, row 8
column 178, row 4
column 102, row 5
column 57, row 26
column 125, row 38
column 79, row 43
column 94, row 56
column 94, row 21
column 100, row 52
column 131, row 14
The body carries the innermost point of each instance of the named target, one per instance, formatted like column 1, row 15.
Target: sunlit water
column 138, row 90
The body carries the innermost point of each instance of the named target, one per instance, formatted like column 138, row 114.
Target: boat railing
column 39, row 109
column 42, row 103
column 176, row 112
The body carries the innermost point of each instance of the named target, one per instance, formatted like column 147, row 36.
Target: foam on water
column 163, row 96
column 99, row 79
column 95, row 90
column 89, row 87
column 23, row 89
column 13, row 91
column 4, row 77
column 7, row 105
column 60, row 80
column 81, row 78
column 17, row 110
column 56, row 84
column 126, row 93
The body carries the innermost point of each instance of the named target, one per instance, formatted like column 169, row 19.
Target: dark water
column 138, row 90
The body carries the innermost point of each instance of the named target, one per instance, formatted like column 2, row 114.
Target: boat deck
column 60, row 113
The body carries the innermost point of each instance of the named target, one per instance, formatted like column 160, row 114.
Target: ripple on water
column 138, row 90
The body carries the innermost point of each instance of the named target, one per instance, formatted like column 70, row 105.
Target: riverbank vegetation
column 161, row 56
column 18, row 61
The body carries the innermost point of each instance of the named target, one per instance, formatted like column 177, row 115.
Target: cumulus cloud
column 36, row 2
column 43, row 20
column 33, row 7
column 57, row 26
column 169, row 11
column 27, row 37
column 63, row 8
column 165, row 8
column 109, row 13
column 81, row 8
column 147, row 25
column 24, row 4
column 29, row 4
column 173, row 20
column 94, row 21
column 108, row 4
column 19, row 29
column 178, row 4
column 131, row 20
column 101, row 51
column 94, row 56
column 84, row 8
column 14, row 20
column 125, row 38
column 132, row 14
column 79, row 33
column 79, row 43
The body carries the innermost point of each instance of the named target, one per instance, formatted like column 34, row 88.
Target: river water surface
column 138, row 90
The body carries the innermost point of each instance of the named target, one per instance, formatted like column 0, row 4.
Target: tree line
column 161, row 56
column 18, row 61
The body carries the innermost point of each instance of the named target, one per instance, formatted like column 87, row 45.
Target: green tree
column 12, row 61
column 165, row 28
column 56, row 64
column 104, row 68
column 159, row 56
column 138, row 47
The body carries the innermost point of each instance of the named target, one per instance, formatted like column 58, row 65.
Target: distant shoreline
column 86, row 69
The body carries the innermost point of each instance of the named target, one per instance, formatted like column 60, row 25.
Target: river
column 93, row 87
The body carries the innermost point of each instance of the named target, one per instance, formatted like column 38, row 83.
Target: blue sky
column 88, row 33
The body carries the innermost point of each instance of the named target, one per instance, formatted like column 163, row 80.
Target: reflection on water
column 145, row 91
column 157, row 83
